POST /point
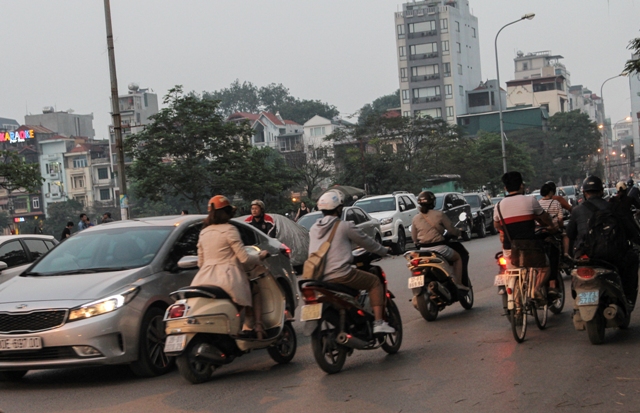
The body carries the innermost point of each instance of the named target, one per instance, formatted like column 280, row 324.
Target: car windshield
column 569, row 190
column 106, row 250
column 439, row 200
column 308, row 220
column 473, row 200
column 378, row 204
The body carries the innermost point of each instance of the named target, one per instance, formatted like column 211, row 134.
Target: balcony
column 427, row 99
column 425, row 77
column 418, row 35
column 100, row 161
column 423, row 56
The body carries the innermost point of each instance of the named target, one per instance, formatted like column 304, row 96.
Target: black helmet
column 630, row 183
column 427, row 200
column 552, row 185
column 592, row 184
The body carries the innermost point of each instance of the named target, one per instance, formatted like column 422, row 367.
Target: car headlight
column 103, row 306
column 474, row 214
column 385, row 221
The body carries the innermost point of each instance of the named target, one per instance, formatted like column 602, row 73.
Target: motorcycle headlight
column 385, row 221
column 103, row 306
column 474, row 214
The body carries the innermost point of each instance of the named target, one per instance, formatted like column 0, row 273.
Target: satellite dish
column 133, row 86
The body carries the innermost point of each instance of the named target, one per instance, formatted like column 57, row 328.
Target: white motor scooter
column 203, row 326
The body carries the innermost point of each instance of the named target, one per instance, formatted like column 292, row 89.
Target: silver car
column 17, row 252
column 99, row 297
column 357, row 215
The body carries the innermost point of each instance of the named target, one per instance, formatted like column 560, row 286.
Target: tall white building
column 634, row 89
column 438, row 57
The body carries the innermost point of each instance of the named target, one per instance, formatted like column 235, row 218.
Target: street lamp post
column 527, row 16
column 604, row 132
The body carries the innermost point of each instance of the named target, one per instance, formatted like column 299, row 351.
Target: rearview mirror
column 462, row 217
column 188, row 261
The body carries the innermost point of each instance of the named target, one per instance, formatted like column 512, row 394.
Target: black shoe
column 247, row 335
column 553, row 294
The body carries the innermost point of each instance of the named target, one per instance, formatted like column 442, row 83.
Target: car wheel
column 151, row 358
column 399, row 247
column 492, row 228
column 12, row 375
column 482, row 231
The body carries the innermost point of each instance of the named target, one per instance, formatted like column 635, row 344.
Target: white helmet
column 330, row 200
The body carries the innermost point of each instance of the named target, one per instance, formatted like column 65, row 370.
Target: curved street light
column 604, row 133
column 527, row 16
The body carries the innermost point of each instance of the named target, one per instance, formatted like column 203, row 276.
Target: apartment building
column 65, row 123
column 438, row 57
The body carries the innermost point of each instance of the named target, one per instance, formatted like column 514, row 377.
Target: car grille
column 31, row 322
column 46, row 353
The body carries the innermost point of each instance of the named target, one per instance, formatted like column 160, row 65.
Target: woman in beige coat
column 222, row 259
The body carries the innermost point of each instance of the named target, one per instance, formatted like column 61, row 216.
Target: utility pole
column 115, row 115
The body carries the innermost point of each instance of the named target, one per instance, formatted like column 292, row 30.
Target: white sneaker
column 383, row 328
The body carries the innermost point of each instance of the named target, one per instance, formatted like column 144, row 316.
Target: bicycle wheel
column 540, row 313
column 518, row 316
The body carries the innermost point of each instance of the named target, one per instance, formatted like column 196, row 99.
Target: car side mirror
column 449, row 206
column 187, row 262
column 402, row 207
column 3, row 265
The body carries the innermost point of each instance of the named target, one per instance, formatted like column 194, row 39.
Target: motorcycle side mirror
column 187, row 262
column 462, row 217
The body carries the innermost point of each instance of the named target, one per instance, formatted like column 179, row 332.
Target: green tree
column 59, row 213
column 16, row 174
column 188, row 151
column 5, row 220
column 632, row 67
column 314, row 169
column 236, row 98
column 301, row 111
column 380, row 105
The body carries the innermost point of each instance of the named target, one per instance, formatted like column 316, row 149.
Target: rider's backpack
column 606, row 239
column 313, row 268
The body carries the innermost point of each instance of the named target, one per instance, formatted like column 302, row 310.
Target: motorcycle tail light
column 415, row 262
column 361, row 313
column 509, row 291
column 502, row 261
column 284, row 250
column 309, row 295
column 585, row 272
column 416, row 272
column 177, row 311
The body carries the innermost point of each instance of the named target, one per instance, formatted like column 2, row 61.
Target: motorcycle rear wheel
column 558, row 304
column 466, row 301
column 392, row 342
column 428, row 309
column 329, row 355
column 193, row 370
column 595, row 328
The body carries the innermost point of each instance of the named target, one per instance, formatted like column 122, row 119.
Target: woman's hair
column 302, row 203
column 219, row 216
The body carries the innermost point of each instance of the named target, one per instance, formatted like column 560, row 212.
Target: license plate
column 311, row 312
column 20, row 343
column 500, row 279
column 588, row 298
column 416, row 281
column 175, row 343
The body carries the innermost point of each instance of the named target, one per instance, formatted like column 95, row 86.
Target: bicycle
column 521, row 301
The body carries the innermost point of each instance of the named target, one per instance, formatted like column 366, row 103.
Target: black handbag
column 525, row 252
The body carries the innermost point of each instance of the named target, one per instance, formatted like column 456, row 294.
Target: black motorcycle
column 340, row 319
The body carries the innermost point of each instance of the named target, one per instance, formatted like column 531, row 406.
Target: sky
column 339, row 51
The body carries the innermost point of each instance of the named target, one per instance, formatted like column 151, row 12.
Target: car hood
column 382, row 214
column 78, row 288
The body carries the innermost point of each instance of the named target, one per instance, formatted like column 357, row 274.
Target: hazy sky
column 339, row 51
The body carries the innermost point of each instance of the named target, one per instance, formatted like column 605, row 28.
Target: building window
column 103, row 173
column 405, row 96
column 403, row 52
column 78, row 182
column 435, row 113
column 458, row 27
column 80, row 162
column 446, row 69
column 473, row 32
column 461, row 89
column 448, row 91
column 425, row 72
column 405, row 113
column 401, row 31
column 422, row 27
column 459, row 47
column 317, row 131
column 449, row 112
column 444, row 25
column 445, row 46
column 423, row 48
column 426, row 92
column 20, row 204
column 403, row 73
column 459, row 69
column 35, row 203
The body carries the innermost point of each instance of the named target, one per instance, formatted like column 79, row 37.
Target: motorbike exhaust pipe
column 211, row 353
column 348, row 340
column 611, row 311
